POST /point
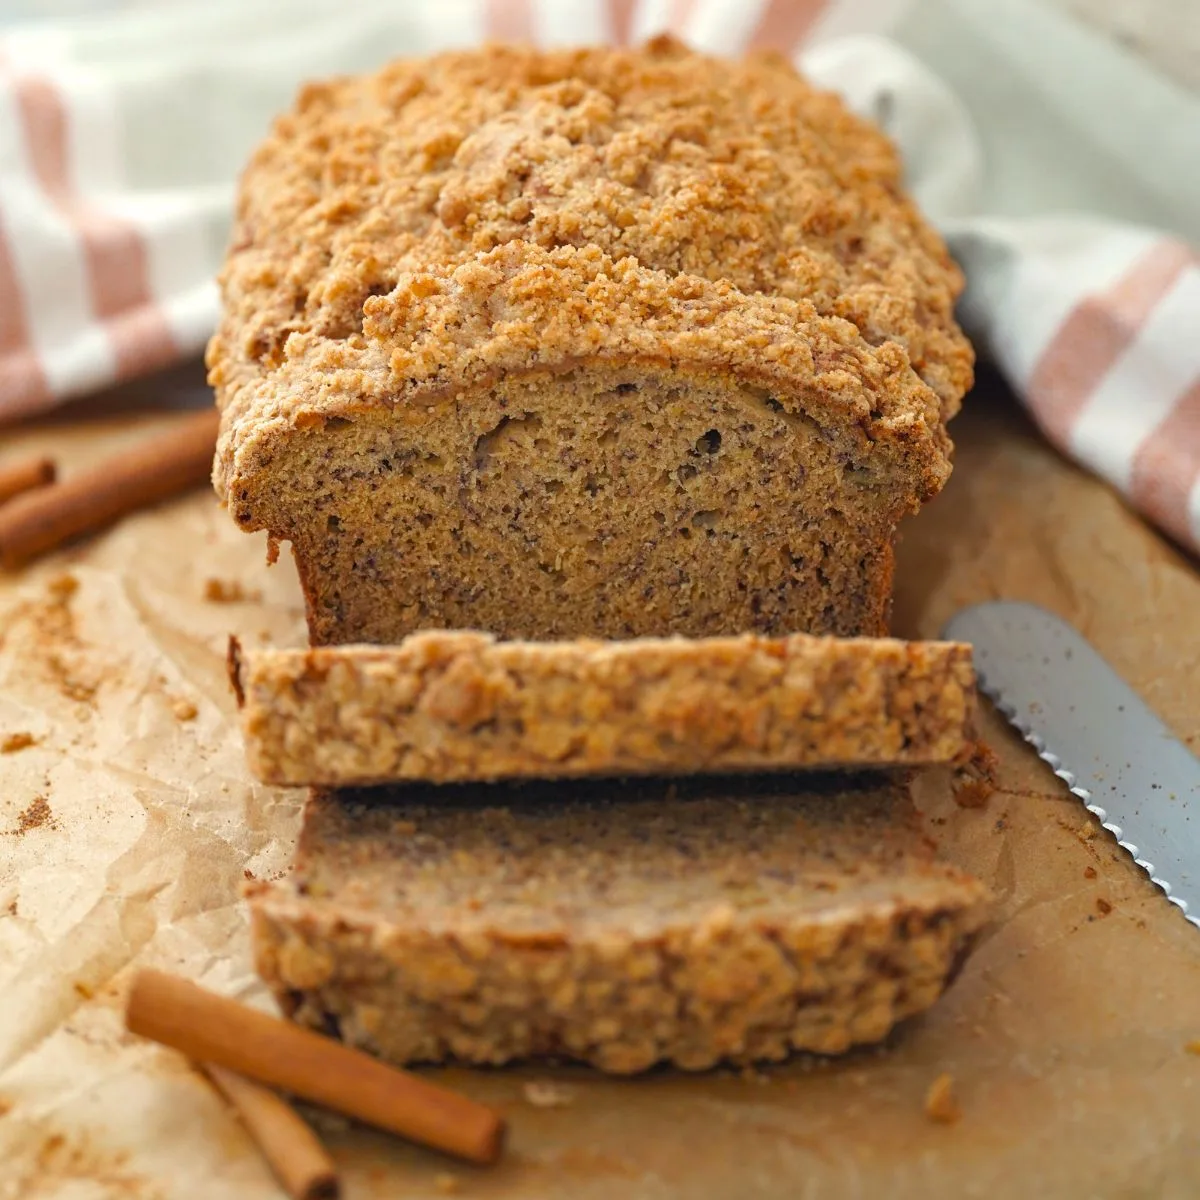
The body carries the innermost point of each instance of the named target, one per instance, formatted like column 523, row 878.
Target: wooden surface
column 128, row 828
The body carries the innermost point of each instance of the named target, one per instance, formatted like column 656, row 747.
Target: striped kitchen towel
column 1064, row 173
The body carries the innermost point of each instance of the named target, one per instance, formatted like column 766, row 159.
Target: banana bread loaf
column 619, row 924
column 583, row 342
column 461, row 706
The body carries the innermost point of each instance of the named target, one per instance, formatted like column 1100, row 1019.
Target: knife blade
column 1096, row 733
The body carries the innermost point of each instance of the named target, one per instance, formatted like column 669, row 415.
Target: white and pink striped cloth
column 1065, row 174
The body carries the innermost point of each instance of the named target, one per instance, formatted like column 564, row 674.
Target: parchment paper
column 127, row 829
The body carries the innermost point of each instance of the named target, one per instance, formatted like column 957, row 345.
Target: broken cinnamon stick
column 168, row 463
column 211, row 1028
column 24, row 476
column 301, row 1164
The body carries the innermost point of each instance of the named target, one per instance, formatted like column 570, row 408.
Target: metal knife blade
column 1097, row 734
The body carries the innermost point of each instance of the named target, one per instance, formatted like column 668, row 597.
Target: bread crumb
column 1089, row 872
column 1193, row 1047
column 228, row 591
column 184, row 710
column 976, row 779
column 17, row 741
column 545, row 1093
column 940, row 1102
column 446, row 1183
column 1104, row 907
column 1086, row 833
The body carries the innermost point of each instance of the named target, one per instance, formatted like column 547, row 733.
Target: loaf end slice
column 460, row 706
column 710, row 921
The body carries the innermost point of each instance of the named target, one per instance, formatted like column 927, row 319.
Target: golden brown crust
column 445, row 707
column 410, row 232
column 632, row 923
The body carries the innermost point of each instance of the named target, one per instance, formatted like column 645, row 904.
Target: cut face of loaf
column 595, row 501
column 617, row 924
column 446, row 707
column 606, row 342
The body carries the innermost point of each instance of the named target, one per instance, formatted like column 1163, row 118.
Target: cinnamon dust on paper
column 36, row 815
column 229, row 591
column 63, row 586
column 44, row 633
column 62, row 1160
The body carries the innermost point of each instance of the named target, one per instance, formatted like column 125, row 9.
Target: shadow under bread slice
column 462, row 706
column 618, row 923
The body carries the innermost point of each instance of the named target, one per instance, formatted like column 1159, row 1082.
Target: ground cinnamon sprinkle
column 17, row 741
column 63, row 586
column 37, row 814
column 72, row 688
column 1104, row 906
column 228, row 591
column 44, row 630
column 940, row 1102
column 1089, row 872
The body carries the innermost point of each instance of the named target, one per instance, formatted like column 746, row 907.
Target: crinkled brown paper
column 127, row 829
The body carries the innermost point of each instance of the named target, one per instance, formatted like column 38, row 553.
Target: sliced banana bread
column 462, row 706
column 596, row 342
column 618, row 924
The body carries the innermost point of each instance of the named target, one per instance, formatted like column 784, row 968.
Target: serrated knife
column 1097, row 734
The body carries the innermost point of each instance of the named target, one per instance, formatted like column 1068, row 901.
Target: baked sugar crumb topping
column 487, row 199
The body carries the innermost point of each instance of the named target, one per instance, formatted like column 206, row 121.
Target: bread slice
column 715, row 920
column 600, row 342
column 445, row 707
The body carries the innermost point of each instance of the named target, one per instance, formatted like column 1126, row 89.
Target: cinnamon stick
column 24, row 476
column 301, row 1164
column 163, row 465
column 211, row 1028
